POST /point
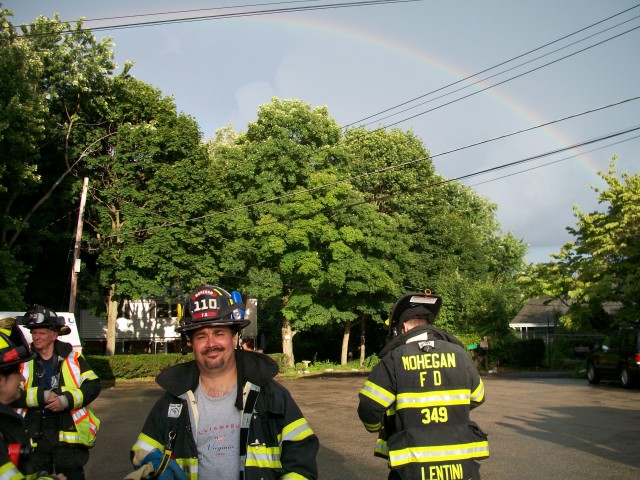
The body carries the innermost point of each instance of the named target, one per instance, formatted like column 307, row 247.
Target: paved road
column 538, row 429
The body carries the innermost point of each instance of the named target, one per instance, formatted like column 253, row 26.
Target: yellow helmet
column 13, row 347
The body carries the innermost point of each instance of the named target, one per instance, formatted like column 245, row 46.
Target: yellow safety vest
column 85, row 420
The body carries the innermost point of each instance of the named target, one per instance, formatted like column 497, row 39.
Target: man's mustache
column 212, row 349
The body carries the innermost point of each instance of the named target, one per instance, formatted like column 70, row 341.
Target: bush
column 528, row 353
column 371, row 362
column 133, row 366
column 281, row 360
column 147, row 365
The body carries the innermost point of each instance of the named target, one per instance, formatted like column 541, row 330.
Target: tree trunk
column 112, row 316
column 345, row 343
column 287, row 343
column 363, row 355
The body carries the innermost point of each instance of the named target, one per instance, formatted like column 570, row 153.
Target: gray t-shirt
column 218, row 436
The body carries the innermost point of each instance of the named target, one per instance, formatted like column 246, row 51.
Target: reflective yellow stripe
column 85, row 421
column 8, row 471
column 478, row 394
column 440, row 453
column 296, row 431
column 293, row 476
column 189, row 467
column 32, row 397
column 381, row 448
column 76, row 395
column 377, row 394
column 88, row 375
column 432, row 399
column 263, row 457
column 145, row 442
column 372, row 427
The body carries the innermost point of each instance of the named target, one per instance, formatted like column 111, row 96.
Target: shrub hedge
column 133, row 366
column 146, row 365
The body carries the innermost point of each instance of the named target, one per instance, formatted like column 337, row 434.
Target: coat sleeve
column 378, row 394
column 299, row 444
column 477, row 386
column 153, row 434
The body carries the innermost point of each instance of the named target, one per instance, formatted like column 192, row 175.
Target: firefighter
column 56, row 402
column 223, row 415
column 419, row 396
column 15, row 447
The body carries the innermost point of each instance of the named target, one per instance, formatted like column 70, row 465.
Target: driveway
column 539, row 428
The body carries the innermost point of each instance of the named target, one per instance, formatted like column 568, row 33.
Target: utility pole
column 75, row 265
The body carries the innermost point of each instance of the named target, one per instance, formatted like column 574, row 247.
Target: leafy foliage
column 601, row 265
column 327, row 227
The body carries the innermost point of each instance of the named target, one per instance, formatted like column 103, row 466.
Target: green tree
column 601, row 264
column 54, row 85
column 307, row 243
column 455, row 244
column 149, row 172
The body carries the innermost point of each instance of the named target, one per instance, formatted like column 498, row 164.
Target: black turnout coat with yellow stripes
column 419, row 397
column 282, row 444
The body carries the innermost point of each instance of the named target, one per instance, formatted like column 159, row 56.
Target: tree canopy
column 326, row 226
column 600, row 265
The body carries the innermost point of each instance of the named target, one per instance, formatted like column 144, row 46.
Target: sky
column 361, row 60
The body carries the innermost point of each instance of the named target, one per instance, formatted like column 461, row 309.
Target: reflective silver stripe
column 9, row 472
column 478, row 393
column 439, row 453
column 377, row 394
column 297, row 430
column 430, row 399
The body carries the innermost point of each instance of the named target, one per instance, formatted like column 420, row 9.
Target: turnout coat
column 280, row 443
column 78, row 383
column 419, row 397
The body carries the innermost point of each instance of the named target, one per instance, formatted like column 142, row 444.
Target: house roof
column 544, row 311
column 539, row 312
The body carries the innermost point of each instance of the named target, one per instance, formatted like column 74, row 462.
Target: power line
column 492, row 67
column 410, row 162
column 554, row 162
column 494, row 75
column 192, row 10
column 507, row 80
column 434, row 184
column 222, row 16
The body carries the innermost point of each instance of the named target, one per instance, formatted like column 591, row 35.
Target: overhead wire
column 500, row 73
column 407, row 163
column 554, row 162
column 493, row 66
column 434, row 184
column 274, row 11
column 505, row 81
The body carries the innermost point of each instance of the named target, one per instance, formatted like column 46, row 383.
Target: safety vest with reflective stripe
column 84, row 419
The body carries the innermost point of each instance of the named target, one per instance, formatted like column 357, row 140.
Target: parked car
column 618, row 358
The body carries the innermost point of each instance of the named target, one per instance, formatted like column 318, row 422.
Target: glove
column 151, row 463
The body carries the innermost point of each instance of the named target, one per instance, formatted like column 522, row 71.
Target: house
column 540, row 316
column 538, row 319
column 145, row 326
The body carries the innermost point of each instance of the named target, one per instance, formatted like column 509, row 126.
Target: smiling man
column 56, row 402
column 223, row 415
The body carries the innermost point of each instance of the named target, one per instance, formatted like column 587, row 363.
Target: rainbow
column 409, row 51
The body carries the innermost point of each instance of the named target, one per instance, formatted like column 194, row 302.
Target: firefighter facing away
column 222, row 415
column 15, row 445
column 419, row 396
